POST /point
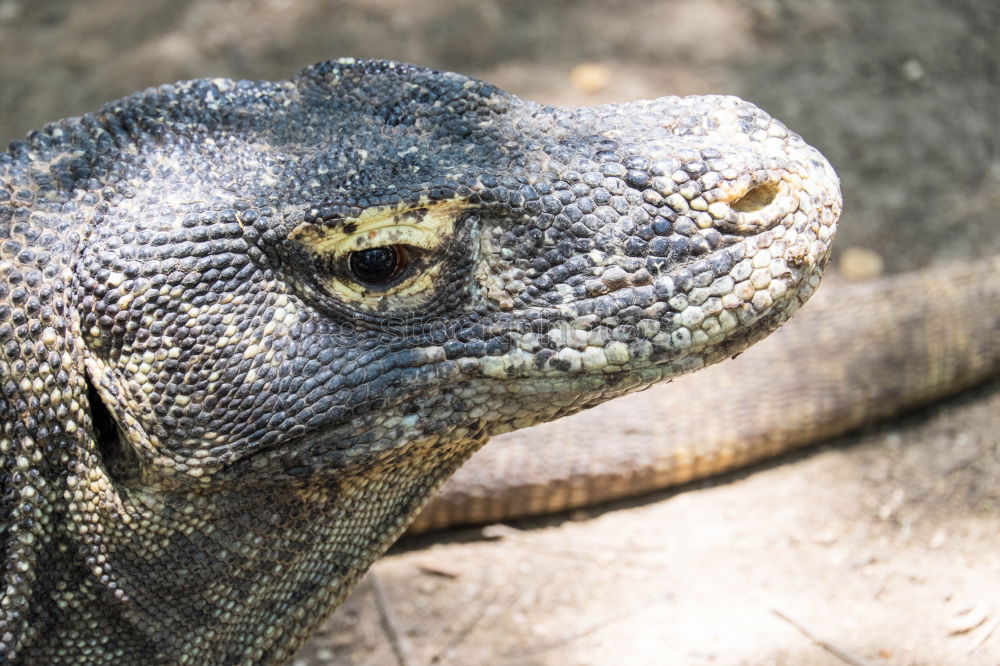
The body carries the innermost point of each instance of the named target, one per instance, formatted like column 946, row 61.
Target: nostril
column 756, row 198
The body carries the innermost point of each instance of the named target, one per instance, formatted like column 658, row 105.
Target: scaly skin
column 248, row 328
column 857, row 354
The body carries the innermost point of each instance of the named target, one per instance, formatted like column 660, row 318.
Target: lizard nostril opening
column 756, row 198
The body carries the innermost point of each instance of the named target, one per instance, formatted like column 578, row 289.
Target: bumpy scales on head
column 246, row 328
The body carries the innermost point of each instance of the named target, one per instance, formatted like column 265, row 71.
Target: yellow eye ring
column 387, row 257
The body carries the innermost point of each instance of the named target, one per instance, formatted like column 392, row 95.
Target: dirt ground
column 880, row 548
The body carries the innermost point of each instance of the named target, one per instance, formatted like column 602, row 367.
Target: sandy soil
column 882, row 546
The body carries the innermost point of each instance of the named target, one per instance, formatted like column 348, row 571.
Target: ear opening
column 117, row 456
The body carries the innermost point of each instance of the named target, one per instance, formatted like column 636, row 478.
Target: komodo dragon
column 246, row 328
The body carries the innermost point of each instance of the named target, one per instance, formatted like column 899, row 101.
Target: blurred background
column 888, row 548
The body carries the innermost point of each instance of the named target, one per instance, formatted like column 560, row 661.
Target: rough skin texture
column 857, row 354
column 248, row 328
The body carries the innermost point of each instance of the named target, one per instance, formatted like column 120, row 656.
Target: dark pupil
column 375, row 265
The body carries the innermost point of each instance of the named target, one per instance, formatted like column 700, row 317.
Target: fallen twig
column 837, row 652
column 400, row 646
column 985, row 637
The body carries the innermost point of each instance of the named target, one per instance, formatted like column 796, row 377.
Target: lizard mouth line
column 321, row 446
column 564, row 369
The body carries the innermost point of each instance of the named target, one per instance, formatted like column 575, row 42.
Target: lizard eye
column 378, row 266
column 386, row 258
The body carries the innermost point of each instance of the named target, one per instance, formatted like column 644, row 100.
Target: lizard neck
column 239, row 584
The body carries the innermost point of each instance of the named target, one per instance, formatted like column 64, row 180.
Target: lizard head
column 302, row 304
column 376, row 254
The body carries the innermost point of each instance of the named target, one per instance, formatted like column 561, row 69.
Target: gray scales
column 247, row 328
